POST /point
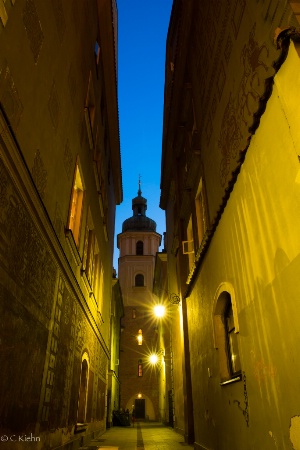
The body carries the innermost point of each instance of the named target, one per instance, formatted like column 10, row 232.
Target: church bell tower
column 138, row 244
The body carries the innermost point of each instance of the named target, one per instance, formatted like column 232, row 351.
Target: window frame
column 224, row 302
column 231, row 338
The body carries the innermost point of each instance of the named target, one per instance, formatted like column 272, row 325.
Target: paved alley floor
column 143, row 436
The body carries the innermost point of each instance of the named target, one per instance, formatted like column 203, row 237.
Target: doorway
column 139, row 406
column 83, row 392
column 171, row 419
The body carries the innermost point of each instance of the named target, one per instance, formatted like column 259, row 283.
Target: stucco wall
column 256, row 250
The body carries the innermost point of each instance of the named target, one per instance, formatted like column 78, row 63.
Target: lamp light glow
column 159, row 310
column 153, row 358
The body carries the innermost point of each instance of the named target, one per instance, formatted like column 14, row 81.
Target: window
column 139, row 280
column 233, row 358
column 139, row 248
column 295, row 9
column 97, row 52
column 134, row 314
column 226, row 337
column 98, row 280
column 82, row 403
column 76, row 206
column 140, row 368
column 97, row 266
column 3, row 13
column 90, row 256
column 97, row 57
column 200, row 217
column 90, row 110
column 188, row 245
column 89, row 250
column 140, row 337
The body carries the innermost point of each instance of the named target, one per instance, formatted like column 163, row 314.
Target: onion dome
column 139, row 221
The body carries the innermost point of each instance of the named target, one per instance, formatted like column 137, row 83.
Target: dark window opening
column 139, row 280
column 139, row 248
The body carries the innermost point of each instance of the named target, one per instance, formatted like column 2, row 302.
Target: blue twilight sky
column 142, row 33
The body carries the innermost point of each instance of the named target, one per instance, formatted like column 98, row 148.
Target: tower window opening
column 139, row 248
column 139, row 280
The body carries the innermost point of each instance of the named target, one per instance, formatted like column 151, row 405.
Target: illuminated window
column 76, row 206
column 140, row 368
column 139, row 248
column 140, row 337
column 139, row 280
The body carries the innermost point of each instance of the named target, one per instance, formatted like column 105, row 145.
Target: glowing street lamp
column 159, row 311
column 153, row 359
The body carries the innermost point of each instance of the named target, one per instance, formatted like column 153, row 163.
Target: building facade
column 138, row 244
column 60, row 180
column 165, row 327
column 230, row 189
column 113, row 392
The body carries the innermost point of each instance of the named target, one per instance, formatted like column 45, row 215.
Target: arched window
column 139, row 248
column 226, row 339
column 139, row 280
column 83, row 390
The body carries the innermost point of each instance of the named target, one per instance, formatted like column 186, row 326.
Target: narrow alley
column 143, row 436
column 149, row 224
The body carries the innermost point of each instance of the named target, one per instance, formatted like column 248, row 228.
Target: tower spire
column 139, row 191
